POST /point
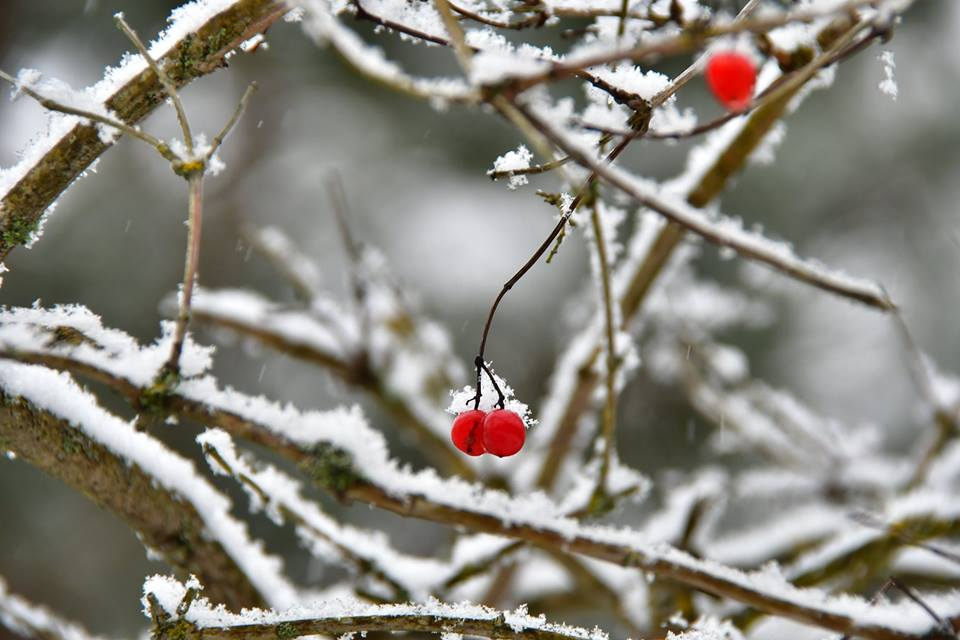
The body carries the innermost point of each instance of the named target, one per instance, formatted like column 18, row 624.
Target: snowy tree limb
column 332, row 467
column 707, row 186
column 179, row 613
column 164, row 522
column 197, row 52
column 353, row 371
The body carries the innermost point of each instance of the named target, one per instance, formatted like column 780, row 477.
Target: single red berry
column 503, row 433
column 467, row 432
column 731, row 77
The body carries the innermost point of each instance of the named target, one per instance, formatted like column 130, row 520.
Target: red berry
column 467, row 432
column 731, row 77
column 503, row 433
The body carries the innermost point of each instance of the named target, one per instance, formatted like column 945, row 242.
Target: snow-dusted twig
column 199, row 620
column 608, row 418
column 194, row 45
column 365, row 552
column 726, row 234
column 301, row 334
column 169, row 87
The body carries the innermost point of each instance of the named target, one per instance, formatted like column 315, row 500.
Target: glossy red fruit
column 503, row 433
column 467, row 432
column 731, row 77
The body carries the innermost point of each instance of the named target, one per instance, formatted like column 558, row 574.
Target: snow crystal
column 461, row 400
column 889, row 83
column 513, row 161
column 635, row 80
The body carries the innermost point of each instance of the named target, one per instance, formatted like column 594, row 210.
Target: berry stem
column 482, row 366
column 584, row 190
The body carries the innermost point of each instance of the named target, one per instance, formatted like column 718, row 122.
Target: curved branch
column 163, row 520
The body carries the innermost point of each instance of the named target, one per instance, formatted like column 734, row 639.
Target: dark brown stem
column 564, row 218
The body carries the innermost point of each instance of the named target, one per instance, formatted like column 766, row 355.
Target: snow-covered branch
column 345, row 617
column 197, row 41
column 50, row 422
column 382, row 348
column 340, row 452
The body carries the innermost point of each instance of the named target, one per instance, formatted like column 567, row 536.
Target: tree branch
column 406, row 494
column 163, row 520
column 198, row 53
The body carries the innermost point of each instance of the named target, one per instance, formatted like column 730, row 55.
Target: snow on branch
column 365, row 552
column 383, row 347
column 722, row 231
column 320, row 22
column 345, row 456
column 32, row 621
column 339, row 617
column 53, row 423
column 199, row 37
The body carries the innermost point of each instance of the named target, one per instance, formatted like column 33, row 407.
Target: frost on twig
column 194, row 44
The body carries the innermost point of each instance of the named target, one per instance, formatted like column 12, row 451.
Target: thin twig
column 536, row 20
column 608, row 419
column 910, row 593
column 171, row 369
column 231, row 123
column 165, row 81
column 535, row 169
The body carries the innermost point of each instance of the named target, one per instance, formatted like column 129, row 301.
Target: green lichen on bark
column 331, row 468
column 18, row 230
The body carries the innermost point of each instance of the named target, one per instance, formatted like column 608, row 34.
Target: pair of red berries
column 500, row 432
column 731, row 77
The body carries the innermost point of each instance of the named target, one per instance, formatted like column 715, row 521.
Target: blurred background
column 861, row 181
